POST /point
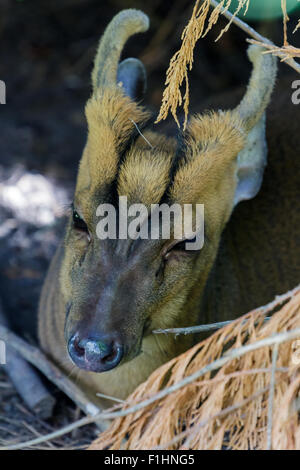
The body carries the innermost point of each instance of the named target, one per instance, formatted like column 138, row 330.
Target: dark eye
column 78, row 222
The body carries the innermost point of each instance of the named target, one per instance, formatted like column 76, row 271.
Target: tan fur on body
column 125, row 287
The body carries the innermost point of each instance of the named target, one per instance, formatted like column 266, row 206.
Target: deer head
column 116, row 291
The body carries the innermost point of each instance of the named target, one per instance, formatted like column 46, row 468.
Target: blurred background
column 46, row 54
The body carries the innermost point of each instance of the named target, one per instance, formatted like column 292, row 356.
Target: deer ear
column 251, row 162
column 131, row 76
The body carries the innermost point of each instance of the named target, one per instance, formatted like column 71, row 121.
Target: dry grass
column 285, row 52
column 200, row 23
column 251, row 401
column 18, row 424
column 297, row 27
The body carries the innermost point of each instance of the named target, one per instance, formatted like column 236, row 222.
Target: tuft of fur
column 213, row 142
column 110, row 116
column 145, row 175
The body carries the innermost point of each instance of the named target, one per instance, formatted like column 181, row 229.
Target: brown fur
column 259, row 252
column 123, row 285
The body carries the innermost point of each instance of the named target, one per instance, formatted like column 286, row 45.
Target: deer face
column 117, row 290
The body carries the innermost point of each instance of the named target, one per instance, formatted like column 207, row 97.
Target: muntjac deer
column 103, row 298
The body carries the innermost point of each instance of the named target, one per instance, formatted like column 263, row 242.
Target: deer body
column 103, row 298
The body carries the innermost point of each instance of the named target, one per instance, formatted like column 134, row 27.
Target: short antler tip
column 260, row 86
column 137, row 18
column 124, row 25
column 255, row 54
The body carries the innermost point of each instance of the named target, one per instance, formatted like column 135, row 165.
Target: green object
column 264, row 9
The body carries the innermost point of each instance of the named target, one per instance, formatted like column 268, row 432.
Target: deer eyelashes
column 79, row 223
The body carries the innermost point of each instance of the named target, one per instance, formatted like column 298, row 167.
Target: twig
column 285, row 21
column 279, row 299
column 193, row 329
column 141, row 134
column 271, row 397
column 27, row 380
column 198, row 328
column 106, row 415
column 258, row 37
column 36, row 433
column 108, row 397
column 284, row 52
column 35, row 357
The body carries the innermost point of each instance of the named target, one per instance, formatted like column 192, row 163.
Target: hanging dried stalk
column 200, row 23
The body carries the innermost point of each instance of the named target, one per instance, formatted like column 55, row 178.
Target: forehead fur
column 213, row 142
column 111, row 116
column 144, row 175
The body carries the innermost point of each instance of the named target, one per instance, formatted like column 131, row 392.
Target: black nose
column 96, row 354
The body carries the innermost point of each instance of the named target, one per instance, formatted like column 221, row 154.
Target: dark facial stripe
column 178, row 159
column 108, row 192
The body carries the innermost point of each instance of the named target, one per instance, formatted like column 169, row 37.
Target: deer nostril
column 113, row 355
column 96, row 355
column 77, row 348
